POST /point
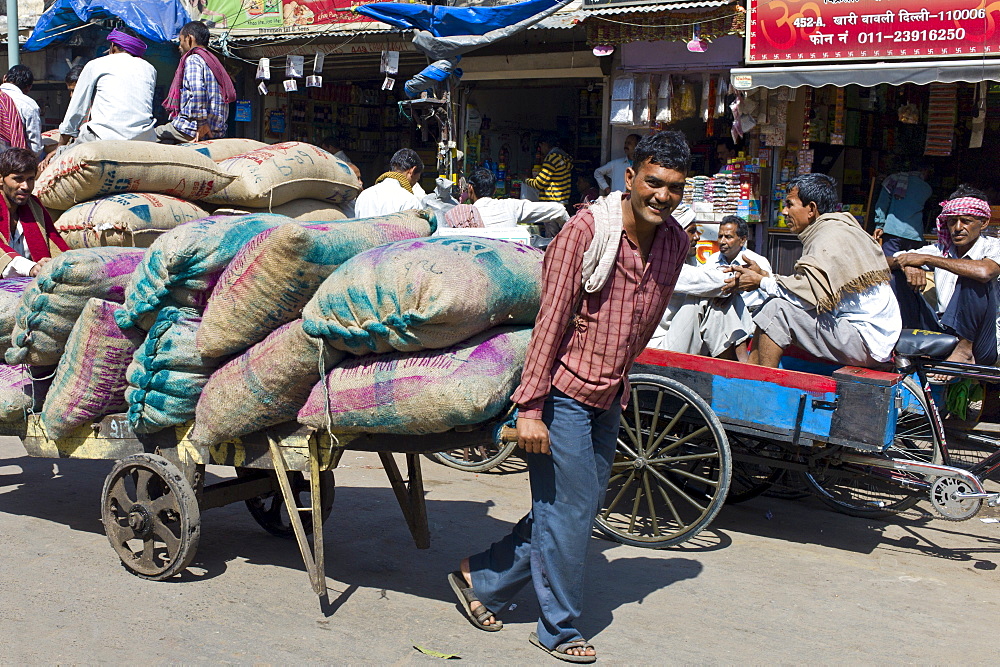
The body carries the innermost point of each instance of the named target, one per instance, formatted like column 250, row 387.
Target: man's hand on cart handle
column 532, row 435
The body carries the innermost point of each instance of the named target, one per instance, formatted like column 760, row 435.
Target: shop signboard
column 278, row 15
column 838, row 30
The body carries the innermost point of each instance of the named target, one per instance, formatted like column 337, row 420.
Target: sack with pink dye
column 11, row 290
column 421, row 392
column 15, row 393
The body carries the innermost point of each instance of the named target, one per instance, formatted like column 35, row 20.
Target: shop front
column 931, row 103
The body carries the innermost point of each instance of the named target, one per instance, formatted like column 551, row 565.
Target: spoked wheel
column 789, row 485
column 671, row 470
column 870, row 493
column 750, row 478
column 269, row 509
column 476, row 459
column 151, row 516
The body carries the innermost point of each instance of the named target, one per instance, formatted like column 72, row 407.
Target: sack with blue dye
column 90, row 382
column 266, row 385
column 11, row 290
column 425, row 294
column 184, row 264
column 303, row 210
column 130, row 219
column 421, row 392
column 167, row 374
column 274, row 276
column 218, row 150
column 15, row 393
column 52, row 303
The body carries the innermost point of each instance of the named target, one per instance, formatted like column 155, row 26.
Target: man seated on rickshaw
column 838, row 304
column 966, row 268
column 700, row 319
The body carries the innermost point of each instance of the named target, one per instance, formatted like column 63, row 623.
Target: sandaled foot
column 578, row 650
column 478, row 615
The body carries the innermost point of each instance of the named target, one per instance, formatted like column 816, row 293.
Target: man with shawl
column 200, row 94
column 394, row 190
column 485, row 211
column 966, row 268
column 838, row 304
column 117, row 91
column 28, row 239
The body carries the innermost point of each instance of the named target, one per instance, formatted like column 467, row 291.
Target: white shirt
column 117, row 90
column 612, row 175
column 19, row 266
column 985, row 247
column 383, row 198
column 702, row 280
column 510, row 212
column 30, row 115
column 874, row 313
column 754, row 298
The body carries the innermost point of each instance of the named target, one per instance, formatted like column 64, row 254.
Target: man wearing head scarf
column 837, row 305
column 966, row 268
column 200, row 94
column 117, row 90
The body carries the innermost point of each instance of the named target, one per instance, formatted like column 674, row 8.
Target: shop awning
column 868, row 74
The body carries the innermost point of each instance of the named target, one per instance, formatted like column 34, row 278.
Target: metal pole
column 13, row 45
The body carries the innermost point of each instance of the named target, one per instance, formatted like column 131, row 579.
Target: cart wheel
column 870, row 493
column 789, row 485
column 151, row 516
column 269, row 509
column 671, row 470
column 750, row 479
column 475, row 459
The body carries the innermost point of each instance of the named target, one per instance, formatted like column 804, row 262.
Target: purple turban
column 131, row 44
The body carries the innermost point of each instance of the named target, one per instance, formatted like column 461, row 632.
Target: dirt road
column 770, row 581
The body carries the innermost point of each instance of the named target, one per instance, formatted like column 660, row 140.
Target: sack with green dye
column 90, row 382
column 51, row 304
column 184, row 264
column 11, row 291
column 218, row 150
column 15, row 393
column 275, row 275
column 97, row 168
column 130, row 219
column 167, row 374
column 421, row 392
column 426, row 294
column 264, row 386
column 276, row 174
column 303, row 210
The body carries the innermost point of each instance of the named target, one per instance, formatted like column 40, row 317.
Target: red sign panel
column 837, row 30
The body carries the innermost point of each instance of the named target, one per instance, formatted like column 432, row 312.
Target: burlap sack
column 130, row 219
column 98, row 168
column 421, row 392
column 51, row 304
column 303, row 210
column 81, row 238
column 274, row 175
column 90, row 379
column 218, row 150
column 15, row 393
column 167, row 374
column 11, row 290
column 273, row 276
column 184, row 263
column 426, row 294
column 266, row 385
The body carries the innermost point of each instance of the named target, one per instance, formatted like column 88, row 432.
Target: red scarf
column 173, row 101
column 38, row 230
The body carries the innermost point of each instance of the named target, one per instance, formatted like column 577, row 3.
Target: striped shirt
column 201, row 100
column 588, row 357
column 555, row 179
column 11, row 126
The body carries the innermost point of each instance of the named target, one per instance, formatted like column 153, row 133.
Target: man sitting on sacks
column 700, row 318
column 393, row 191
column 28, row 239
column 838, row 304
column 485, row 211
column 966, row 268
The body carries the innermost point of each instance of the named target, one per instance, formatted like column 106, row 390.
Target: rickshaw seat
column 921, row 343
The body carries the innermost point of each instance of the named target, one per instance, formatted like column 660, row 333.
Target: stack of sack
column 126, row 193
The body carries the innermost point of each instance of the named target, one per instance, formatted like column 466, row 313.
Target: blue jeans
column 549, row 545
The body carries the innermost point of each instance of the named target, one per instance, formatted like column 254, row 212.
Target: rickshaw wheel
column 269, row 509
column 749, row 479
column 868, row 493
column 151, row 516
column 672, row 466
column 475, row 459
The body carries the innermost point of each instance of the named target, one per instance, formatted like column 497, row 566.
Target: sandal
column 562, row 652
column 466, row 596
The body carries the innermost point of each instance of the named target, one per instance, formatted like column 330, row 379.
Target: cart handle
column 508, row 434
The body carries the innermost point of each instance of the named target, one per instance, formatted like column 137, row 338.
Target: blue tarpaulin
column 442, row 21
column 154, row 20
